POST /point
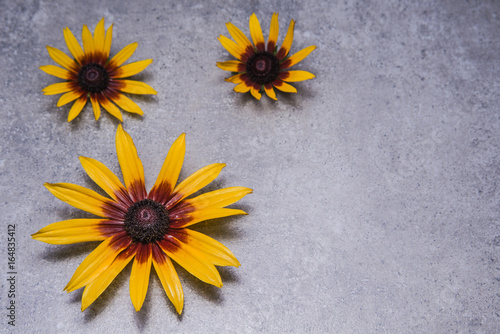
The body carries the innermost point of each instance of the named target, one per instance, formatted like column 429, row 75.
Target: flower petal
column 68, row 97
column 270, row 91
column 88, row 41
column 107, row 180
column 56, row 71
column 297, row 57
column 58, row 88
column 211, row 249
column 107, row 42
column 192, row 260
column 73, row 45
column 135, row 87
column 287, row 42
column 97, row 287
column 231, row 65
column 294, row 76
column 218, row 198
column 123, row 55
column 139, row 277
column 235, row 78
column 195, row 182
column 127, row 104
column 283, row 86
column 72, row 231
column 169, row 173
column 239, row 36
column 256, row 33
column 62, row 59
column 273, row 33
column 111, row 108
column 168, row 278
column 99, row 37
column 206, row 214
column 77, row 107
column 242, row 88
column 234, row 49
column 97, row 261
column 95, row 106
column 255, row 93
column 131, row 165
column 131, row 69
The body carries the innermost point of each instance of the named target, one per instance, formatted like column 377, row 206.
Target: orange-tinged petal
column 58, row 88
column 123, row 55
column 273, row 33
column 231, row 65
column 195, row 182
column 56, row 71
column 255, row 93
column 139, row 277
column 68, row 97
column 136, row 87
column 127, row 104
column 242, row 87
column 238, row 36
column 77, row 107
column 94, row 289
column 206, row 214
column 235, row 78
column 131, row 165
column 287, row 42
column 218, row 198
column 71, row 231
column 99, row 37
column 270, row 91
column 256, row 33
column 168, row 278
column 284, row 87
column 62, row 59
column 169, row 173
column 131, row 69
column 294, row 76
column 73, row 45
column 297, row 57
column 234, row 49
column 111, row 108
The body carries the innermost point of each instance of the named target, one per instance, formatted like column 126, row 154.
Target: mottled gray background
column 376, row 187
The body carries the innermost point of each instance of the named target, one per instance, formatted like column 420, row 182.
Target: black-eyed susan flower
column 260, row 67
column 91, row 74
column 146, row 228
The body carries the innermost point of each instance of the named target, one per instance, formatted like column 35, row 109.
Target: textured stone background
column 376, row 199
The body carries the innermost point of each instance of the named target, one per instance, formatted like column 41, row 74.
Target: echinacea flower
column 91, row 74
column 148, row 228
column 259, row 68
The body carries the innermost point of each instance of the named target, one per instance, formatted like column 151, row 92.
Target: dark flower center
column 93, row 78
column 263, row 67
column 147, row 221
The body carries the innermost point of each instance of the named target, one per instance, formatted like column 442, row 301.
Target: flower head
column 259, row 67
column 91, row 74
column 148, row 228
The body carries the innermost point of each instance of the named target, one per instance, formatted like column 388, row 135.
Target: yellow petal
column 139, row 277
column 73, row 45
column 169, row 173
column 111, row 108
column 68, row 97
column 218, row 198
column 235, row 78
column 294, row 76
column 195, row 182
column 77, row 107
column 233, row 48
column 284, row 87
column 202, row 215
column 97, row 287
column 127, row 104
column 80, row 197
column 297, row 57
column 107, row 42
column 256, row 33
column 57, row 88
column 56, row 71
column 95, row 107
column 168, row 278
column 287, row 42
column 88, row 41
column 273, row 33
column 62, row 59
column 238, row 36
column 105, row 179
column 255, row 93
column 99, row 37
column 136, row 87
column 231, row 65
column 131, row 165
column 96, row 262
column 270, row 91
column 192, row 260
column 123, row 55
column 242, row 88
column 71, row 231
column 132, row 68
column 213, row 250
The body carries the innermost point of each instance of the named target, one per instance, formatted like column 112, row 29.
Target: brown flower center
column 93, row 78
column 263, row 67
column 147, row 221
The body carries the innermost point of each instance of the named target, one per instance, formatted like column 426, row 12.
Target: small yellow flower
column 148, row 228
column 92, row 75
column 259, row 68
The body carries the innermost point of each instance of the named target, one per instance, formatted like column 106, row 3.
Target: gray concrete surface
column 376, row 187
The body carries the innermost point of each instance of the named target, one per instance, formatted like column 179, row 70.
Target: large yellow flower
column 92, row 75
column 259, row 68
column 149, row 228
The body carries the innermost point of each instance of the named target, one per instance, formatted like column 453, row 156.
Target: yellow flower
column 150, row 228
column 259, row 68
column 91, row 74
